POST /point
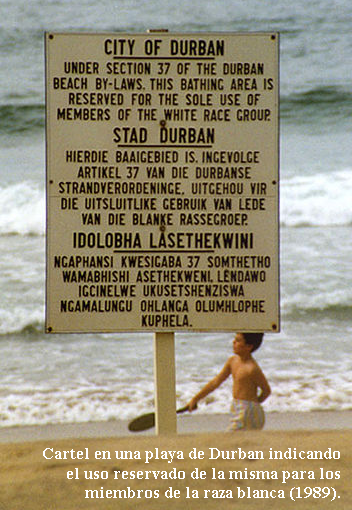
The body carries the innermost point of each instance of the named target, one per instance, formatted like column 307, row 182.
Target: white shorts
column 246, row 415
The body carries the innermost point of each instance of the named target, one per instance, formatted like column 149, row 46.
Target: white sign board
column 162, row 182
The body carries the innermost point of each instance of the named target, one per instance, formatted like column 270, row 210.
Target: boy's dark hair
column 253, row 339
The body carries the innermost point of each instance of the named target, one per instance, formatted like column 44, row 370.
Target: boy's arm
column 263, row 385
column 211, row 385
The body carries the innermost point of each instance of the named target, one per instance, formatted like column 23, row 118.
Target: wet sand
column 31, row 481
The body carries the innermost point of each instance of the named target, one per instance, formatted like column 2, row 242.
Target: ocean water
column 68, row 378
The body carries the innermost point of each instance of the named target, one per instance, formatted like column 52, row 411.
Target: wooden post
column 165, row 384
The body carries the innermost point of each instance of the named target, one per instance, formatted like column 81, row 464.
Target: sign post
column 162, row 183
column 165, row 388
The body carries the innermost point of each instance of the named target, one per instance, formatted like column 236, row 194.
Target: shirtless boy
column 247, row 379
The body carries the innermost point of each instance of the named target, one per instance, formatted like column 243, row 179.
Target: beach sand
column 30, row 481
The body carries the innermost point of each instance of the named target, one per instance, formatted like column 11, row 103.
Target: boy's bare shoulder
column 250, row 365
column 257, row 371
column 233, row 361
